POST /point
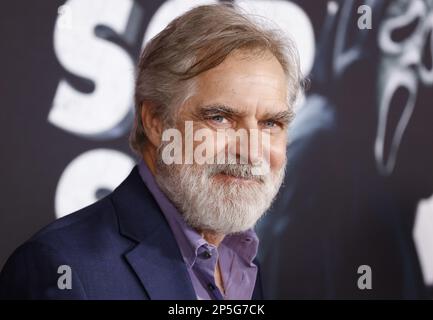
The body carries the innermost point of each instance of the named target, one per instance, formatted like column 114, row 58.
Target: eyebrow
column 218, row 109
column 284, row 117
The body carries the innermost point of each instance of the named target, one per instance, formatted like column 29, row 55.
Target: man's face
column 246, row 93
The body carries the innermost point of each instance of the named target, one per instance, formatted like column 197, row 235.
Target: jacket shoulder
column 86, row 241
column 82, row 224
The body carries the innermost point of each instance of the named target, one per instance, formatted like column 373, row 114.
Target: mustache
column 244, row 171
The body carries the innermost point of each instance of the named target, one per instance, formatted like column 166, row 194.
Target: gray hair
column 193, row 43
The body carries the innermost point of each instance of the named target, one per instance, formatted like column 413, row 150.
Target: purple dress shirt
column 235, row 253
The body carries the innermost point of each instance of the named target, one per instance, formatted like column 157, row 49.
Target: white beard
column 218, row 206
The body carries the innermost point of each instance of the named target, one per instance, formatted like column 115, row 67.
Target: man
column 180, row 229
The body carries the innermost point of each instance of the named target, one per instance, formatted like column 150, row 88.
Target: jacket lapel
column 156, row 258
column 163, row 275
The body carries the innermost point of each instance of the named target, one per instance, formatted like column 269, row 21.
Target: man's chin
column 227, row 223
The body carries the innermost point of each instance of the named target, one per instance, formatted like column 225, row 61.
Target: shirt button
column 207, row 254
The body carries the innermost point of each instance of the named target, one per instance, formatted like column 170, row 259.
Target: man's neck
column 212, row 237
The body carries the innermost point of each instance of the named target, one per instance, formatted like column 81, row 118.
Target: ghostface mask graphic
column 406, row 45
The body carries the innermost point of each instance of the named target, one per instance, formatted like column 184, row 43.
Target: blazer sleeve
column 32, row 272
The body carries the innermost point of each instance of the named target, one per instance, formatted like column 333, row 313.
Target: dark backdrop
column 360, row 160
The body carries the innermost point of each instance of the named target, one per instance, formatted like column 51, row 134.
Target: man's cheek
column 277, row 155
column 221, row 144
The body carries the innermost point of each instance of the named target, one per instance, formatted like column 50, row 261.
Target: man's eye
column 219, row 119
column 270, row 124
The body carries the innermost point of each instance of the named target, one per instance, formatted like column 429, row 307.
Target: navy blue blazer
column 120, row 247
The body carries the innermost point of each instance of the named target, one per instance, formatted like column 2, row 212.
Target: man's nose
column 249, row 149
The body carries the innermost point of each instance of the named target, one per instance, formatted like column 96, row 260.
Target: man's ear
column 152, row 124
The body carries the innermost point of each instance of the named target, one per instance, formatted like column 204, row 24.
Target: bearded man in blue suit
column 179, row 230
